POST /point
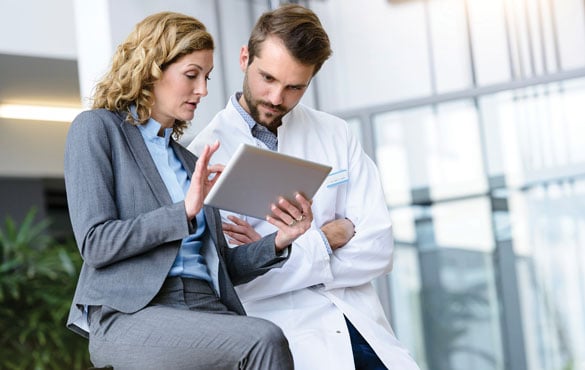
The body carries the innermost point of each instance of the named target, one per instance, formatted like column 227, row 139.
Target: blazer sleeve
column 100, row 184
column 248, row 261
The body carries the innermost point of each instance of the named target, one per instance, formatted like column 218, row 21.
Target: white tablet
column 254, row 178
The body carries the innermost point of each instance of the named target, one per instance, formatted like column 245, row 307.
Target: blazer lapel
column 187, row 160
column 145, row 163
column 227, row 293
column 212, row 217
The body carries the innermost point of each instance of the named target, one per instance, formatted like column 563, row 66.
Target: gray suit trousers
column 185, row 327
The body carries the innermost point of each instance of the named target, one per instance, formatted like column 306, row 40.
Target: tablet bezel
column 254, row 178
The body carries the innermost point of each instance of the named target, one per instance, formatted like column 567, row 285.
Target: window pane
column 535, row 133
column 459, row 300
column 450, row 45
column 488, row 35
column 549, row 235
column 380, row 53
column 436, row 151
column 571, row 32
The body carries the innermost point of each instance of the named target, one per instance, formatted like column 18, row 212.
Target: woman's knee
column 270, row 349
column 270, row 333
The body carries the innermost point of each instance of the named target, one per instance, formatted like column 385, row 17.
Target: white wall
column 38, row 28
column 32, row 149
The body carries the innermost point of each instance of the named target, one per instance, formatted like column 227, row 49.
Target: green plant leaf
column 37, row 282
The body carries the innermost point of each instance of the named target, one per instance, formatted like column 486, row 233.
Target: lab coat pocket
column 329, row 201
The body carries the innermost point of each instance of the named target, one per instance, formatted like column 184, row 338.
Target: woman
column 156, row 286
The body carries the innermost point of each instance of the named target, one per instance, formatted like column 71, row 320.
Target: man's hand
column 291, row 221
column 338, row 232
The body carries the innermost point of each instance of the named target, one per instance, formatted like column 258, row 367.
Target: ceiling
column 39, row 81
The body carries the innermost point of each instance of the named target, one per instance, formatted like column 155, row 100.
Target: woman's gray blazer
column 126, row 226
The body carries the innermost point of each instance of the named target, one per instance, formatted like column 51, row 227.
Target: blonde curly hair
column 155, row 43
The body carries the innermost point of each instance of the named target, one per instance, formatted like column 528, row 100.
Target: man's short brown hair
column 300, row 30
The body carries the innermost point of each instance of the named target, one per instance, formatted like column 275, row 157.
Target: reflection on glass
column 443, row 286
column 450, row 45
column 460, row 310
column 454, row 228
column 536, row 133
column 488, row 209
column 406, row 285
column 551, row 277
column 436, row 151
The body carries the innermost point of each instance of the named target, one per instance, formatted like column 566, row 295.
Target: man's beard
column 274, row 120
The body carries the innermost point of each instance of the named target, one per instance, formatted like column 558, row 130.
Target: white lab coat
column 311, row 293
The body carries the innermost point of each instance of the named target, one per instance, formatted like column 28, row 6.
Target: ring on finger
column 292, row 223
column 301, row 218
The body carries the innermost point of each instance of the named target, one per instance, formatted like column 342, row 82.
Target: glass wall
column 473, row 111
column 487, row 196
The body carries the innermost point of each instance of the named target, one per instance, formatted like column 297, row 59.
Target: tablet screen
column 254, row 178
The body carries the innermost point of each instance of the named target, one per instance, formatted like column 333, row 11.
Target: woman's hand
column 240, row 232
column 204, row 177
column 291, row 221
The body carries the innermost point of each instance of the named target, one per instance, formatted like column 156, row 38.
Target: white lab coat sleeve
column 369, row 253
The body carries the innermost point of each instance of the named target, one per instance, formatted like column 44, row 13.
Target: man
column 322, row 298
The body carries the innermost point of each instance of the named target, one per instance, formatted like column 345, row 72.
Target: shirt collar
column 245, row 115
column 151, row 128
